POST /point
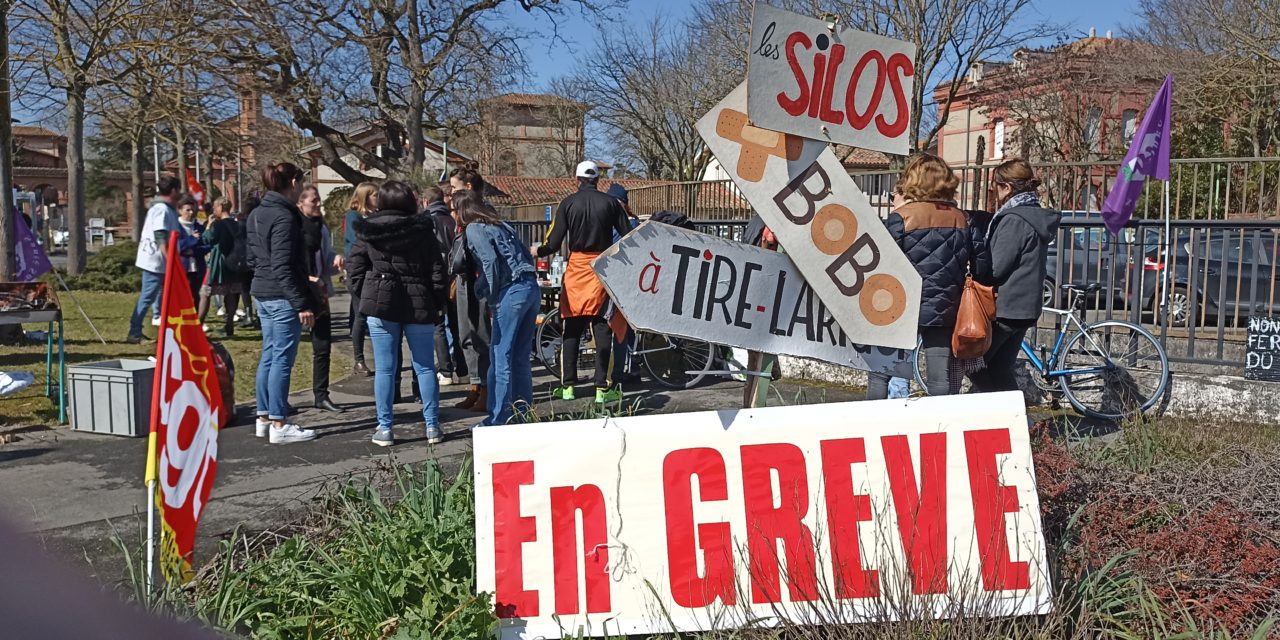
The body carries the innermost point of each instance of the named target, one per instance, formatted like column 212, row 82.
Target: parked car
column 1091, row 255
column 1228, row 273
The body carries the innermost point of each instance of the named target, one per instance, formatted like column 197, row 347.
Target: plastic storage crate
column 111, row 397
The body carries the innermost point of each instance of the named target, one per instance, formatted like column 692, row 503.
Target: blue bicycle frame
column 1046, row 368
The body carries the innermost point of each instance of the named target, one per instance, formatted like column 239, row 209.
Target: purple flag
column 1148, row 157
column 32, row 262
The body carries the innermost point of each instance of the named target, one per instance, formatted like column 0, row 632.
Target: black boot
column 325, row 404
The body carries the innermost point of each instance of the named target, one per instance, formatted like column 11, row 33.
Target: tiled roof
column 20, row 130
column 702, row 200
column 518, row 190
column 859, row 158
column 61, row 172
column 534, row 99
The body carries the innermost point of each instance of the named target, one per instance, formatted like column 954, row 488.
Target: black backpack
column 237, row 260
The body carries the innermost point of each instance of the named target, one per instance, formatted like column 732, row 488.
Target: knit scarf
column 1021, row 199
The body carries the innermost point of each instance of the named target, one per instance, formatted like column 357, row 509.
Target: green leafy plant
column 395, row 561
column 111, row 269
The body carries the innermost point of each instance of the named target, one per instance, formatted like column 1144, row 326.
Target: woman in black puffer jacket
column 398, row 257
column 935, row 236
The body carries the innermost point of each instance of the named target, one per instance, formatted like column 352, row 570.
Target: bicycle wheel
column 550, row 338
column 675, row 363
column 547, row 343
column 1121, row 370
column 919, row 368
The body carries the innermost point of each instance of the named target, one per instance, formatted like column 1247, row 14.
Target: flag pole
column 1168, row 250
column 78, row 306
column 156, row 386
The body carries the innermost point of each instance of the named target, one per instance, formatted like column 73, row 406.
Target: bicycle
column 1098, row 381
column 672, row 362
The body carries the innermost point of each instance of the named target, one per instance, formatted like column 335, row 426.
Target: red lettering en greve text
column 776, row 498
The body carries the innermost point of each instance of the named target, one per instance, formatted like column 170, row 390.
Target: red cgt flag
column 186, row 407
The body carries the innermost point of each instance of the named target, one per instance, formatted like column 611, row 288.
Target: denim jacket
column 501, row 256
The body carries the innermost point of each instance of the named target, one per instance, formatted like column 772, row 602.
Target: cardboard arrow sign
column 849, row 87
column 823, row 220
column 693, row 285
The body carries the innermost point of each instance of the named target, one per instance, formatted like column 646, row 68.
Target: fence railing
column 1194, row 287
column 1198, row 189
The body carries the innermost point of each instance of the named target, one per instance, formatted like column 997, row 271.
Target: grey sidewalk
column 64, row 486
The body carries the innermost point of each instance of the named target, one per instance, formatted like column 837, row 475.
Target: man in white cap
column 585, row 224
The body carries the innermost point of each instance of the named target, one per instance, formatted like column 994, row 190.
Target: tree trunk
column 76, row 250
column 136, row 147
column 8, row 232
column 413, row 129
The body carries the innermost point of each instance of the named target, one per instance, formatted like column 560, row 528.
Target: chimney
column 975, row 72
column 247, row 122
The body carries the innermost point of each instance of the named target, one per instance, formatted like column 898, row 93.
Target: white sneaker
column 261, row 427
column 221, row 312
column 240, row 313
column 205, row 327
column 290, row 433
column 444, row 380
column 155, row 322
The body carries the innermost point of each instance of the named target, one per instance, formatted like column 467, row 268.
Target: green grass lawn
column 110, row 313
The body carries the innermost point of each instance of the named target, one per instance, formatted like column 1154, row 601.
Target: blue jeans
column 510, row 380
column 385, row 336
column 152, row 287
column 281, row 329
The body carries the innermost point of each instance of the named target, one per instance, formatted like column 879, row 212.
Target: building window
column 508, row 163
column 1091, row 126
column 1128, row 125
column 997, row 140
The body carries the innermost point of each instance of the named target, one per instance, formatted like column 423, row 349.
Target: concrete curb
column 1190, row 395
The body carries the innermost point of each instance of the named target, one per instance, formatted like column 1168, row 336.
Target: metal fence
column 1198, row 189
column 1194, row 287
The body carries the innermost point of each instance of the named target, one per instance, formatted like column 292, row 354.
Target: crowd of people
column 1006, row 250
column 440, row 271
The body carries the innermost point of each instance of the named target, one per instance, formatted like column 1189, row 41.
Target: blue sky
column 549, row 60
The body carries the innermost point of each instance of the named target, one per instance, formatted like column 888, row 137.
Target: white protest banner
column 849, row 87
column 824, row 221
column 693, row 285
column 883, row 510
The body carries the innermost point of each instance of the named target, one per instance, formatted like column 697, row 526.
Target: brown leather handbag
column 972, row 335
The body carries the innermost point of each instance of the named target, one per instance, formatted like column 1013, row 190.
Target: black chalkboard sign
column 1262, row 357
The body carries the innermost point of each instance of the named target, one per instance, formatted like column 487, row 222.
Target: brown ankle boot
column 469, row 402
column 482, row 400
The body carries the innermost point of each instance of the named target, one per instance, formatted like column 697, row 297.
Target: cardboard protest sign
column 824, row 221
column 1262, row 354
column 849, row 87
column 693, row 285
column 883, row 510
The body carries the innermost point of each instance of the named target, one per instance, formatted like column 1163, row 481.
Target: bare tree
column 402, row 66
column 67, row 41
column 648, row 88
column 1225, row 57
column 949, row 37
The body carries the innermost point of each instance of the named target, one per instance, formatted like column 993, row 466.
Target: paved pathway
column 70, row 488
